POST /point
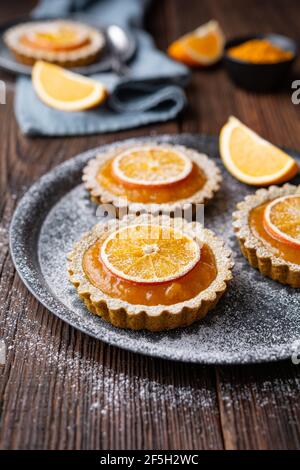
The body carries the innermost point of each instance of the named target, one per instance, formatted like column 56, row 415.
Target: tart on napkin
column 139, row 176
column 267, row 225
column 150, row 272
column 63, row 42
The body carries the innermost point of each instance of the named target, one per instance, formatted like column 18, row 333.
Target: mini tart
column 215, row 264
column 82, row 53
column 273, row 258
column 180, row 195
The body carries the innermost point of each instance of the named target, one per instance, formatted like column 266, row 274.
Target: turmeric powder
column 259, row 51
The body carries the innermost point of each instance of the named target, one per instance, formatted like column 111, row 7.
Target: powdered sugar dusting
column 258, row 319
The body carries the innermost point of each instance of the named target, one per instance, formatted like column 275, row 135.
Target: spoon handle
column 118, row 66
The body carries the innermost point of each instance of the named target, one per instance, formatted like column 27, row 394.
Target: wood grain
column 61, row 389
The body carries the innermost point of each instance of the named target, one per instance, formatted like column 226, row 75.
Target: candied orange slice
column 151, row 166
column 282, row 219
column 150, row 253
column 65, row 90
column 251, row 159
column 204, row 46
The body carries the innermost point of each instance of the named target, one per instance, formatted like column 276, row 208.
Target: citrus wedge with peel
column 204, row 46
column 282, row 219
column 251, row 159
column 65, row 90
column 151, row 166
column 149, row 253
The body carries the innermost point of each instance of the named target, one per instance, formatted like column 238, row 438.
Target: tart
column 267, row 225
column 150, row 272
column 143, row 176
column 66, row 43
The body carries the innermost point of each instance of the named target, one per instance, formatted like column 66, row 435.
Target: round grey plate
column 256, row 320
column 103, row 64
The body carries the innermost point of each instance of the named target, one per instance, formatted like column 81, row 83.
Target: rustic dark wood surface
column 61, row 389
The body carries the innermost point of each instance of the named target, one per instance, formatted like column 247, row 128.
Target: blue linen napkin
column 152, row 92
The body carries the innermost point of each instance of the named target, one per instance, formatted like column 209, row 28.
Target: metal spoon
column 118, row 44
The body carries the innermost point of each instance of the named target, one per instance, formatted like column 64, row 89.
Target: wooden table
column 61, row 389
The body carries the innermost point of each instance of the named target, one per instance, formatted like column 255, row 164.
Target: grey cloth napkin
column 152, row 92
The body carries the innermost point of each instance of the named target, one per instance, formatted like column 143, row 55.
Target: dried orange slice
column 151, row 166
column 282, row 219
column 204, row 46
column 150, row 253
column 65, row 90
column 252, row 159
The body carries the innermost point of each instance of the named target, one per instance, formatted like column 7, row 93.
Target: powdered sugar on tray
column 256, row 320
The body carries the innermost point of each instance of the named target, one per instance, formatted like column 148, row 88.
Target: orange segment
column 151, row 166
column 282, row 219
column 204, row 46
column 150, row 253
column 65, row 90
column 251, row 159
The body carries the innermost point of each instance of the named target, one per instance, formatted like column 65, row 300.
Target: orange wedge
column 65, row 90
column 204, row 46
column 151, row 166
column 251, row 159
column 150, row 253
column 282, row 219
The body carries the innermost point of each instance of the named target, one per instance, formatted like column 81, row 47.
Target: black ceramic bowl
column 260, row 77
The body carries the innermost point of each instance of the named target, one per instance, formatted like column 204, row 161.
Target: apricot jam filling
column 158, row 195
column 279, row 248
column 165, row 293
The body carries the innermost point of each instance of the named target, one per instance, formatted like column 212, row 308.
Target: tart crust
column 154, row 318
column 101, row 195
column 255, row 251
column 84, row 55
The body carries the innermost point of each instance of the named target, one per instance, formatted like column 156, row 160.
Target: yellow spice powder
column 259, row 51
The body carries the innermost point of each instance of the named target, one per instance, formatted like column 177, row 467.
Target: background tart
column 200, row 179
column 276, row 258
column 76, row 43
column 160, row 304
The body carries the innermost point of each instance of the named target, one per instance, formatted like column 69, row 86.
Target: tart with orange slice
column 63, row 42
column 143, row 176
column 267, row 225
column 150, row 272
